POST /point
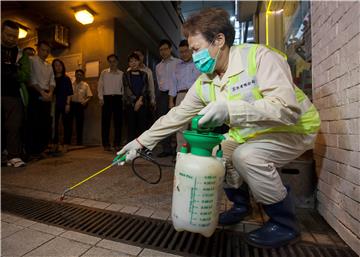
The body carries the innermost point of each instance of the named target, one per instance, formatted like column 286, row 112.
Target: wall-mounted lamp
column 84, row 14
column 22, row 33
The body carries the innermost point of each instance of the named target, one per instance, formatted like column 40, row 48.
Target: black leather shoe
column 164, row 154
column 281, row 229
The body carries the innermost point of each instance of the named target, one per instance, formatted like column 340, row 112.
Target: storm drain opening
column 152, row 233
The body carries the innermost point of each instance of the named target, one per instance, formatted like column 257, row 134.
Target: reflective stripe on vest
column 247, row 89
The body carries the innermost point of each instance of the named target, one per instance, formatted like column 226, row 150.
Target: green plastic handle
column 119, row 158
column 195, row 124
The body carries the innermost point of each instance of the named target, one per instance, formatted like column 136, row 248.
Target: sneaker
column 16, row 163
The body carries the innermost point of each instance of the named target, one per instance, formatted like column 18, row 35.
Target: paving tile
column 23, row 242
column 323, row 239
column 24, row 222
column 250, row 227
column 59, row 247
column 161, row 215
column 97, row 252
column 95, row 204
column 125, row 248
column 88, row 203
column 7, row 229
column 101, row 205
column 9, row 217
column 144, row 212
column 236, row 227
column 83, row 238
column 307, row 237
column 152, row 253
column 114, row 207
column 129, row 209
column 47, row 229
column 75, row 200
column 47, row 196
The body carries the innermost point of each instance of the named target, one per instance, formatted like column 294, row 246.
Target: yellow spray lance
column 120, row 159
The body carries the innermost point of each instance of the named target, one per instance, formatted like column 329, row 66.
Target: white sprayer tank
column 197, row 189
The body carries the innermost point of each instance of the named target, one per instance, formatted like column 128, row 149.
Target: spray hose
column 120, row 160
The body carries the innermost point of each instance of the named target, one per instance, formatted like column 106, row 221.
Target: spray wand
column 119, row 159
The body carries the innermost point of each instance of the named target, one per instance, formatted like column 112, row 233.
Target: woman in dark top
column 136, row 97
column 63, row 92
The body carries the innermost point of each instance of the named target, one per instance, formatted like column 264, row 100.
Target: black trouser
column 38, row 128
column 66, row 125
column 163, row 108
column 112, row 106
column 12, row 120
column 77, row 112
column 137, row 121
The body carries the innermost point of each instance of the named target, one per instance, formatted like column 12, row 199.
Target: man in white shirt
column 164, row 75
column 110, row 92
column 79, row 100
column 42, row 84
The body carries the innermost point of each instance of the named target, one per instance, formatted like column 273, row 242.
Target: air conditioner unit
column 56, row 34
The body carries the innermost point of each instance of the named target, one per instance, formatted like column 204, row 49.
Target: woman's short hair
column 210, row 22
column 133, row 56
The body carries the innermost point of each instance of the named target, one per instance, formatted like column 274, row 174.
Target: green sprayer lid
column 201, row 140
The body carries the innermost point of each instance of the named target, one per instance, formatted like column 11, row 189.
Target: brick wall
column 336, row 89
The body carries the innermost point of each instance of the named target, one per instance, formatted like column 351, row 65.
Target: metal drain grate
column 152, row 233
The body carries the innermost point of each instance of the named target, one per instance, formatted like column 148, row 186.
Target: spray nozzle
column 119, row 159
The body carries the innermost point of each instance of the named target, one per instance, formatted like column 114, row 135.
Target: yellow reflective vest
column 244, row 87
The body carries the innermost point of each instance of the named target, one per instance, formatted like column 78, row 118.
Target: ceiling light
column 22, row 33
column 84, row 14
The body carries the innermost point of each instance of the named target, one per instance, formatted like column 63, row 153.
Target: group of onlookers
column 37, row 95
column 134, row 89
column 29, row 85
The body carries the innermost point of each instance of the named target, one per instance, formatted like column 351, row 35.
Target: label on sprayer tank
column 203, row 198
